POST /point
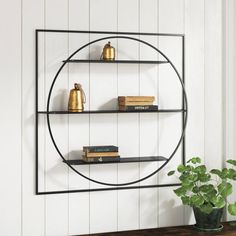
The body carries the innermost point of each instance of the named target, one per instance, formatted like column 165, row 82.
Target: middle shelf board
column 122, row 160
column 116, row 61
column 113, row 111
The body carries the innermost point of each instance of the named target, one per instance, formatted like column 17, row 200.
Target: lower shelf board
column 122, row 160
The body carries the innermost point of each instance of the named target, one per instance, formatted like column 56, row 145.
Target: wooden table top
column 228, row 230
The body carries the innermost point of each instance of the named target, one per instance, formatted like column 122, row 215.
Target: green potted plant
column 206, row 191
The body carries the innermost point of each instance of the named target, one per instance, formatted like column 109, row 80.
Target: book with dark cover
column 106, row 148
column 100, row 159
column 139, row 108
column 136, row 98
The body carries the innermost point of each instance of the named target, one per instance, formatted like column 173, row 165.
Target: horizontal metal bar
column 117, row 61
column 112, row 111
column 108, row 32
column 122, row 160
column 108, row 189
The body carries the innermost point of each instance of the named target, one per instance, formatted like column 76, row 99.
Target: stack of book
column 95, row 154
column 137, row 103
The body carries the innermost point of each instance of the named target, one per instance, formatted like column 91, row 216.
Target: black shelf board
column 112, row 111
column 117, row 61
column 122, row 160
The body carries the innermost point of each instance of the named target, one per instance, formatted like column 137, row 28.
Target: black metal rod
column 117, row 61
column 36, row 111
column 122, row 160
column 109, row 32
column 183, row 100
column 112, row 111
column 109, row 189
column 185, row 120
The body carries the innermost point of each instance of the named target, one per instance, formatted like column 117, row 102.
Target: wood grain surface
column 228, row 230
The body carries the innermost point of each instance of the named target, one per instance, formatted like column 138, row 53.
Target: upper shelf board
column 117, row 61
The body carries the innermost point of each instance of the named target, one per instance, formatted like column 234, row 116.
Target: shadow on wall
column 189, row 217
column 60, row 100
column 171, row 212
column 59, row 169
column 95, row 53
column 109, row 105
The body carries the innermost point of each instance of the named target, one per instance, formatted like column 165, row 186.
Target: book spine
column 138, row 108
column 101, row 154
column 101, row 159
column 136, row 103
column 101, row 149
column 136, row 98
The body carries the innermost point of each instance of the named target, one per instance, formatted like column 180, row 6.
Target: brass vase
column 76, row 99
column 108, row 52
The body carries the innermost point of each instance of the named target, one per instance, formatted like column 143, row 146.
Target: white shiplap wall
column 24, row 213
column 10, row 129
column 229, row 74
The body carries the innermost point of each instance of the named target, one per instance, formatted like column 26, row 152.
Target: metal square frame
column 184, row 108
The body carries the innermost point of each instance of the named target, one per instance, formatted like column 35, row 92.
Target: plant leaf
column 204, row 178
column 219, row 201
column 194, row 160
column 171, row 173
column 225, row 189
column 232, row 162
column 206, row 188
column 232, row 209
column 211, row 194
column 189, row 168
column 185, row 200
column 231, row 174
column 216, row 172
column 188, row 185
column 181, row 168
column 196, row 200
column 200, row 169
column 193, row 177
column 195, row 189
column 225, row 173
column 184, row 176
column 180, row 191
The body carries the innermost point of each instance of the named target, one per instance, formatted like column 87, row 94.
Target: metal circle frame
column 185, row 111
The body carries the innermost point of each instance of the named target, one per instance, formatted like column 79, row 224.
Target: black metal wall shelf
column 116, row 61
column 112, row 111
column 132, row 36
column 122, row 160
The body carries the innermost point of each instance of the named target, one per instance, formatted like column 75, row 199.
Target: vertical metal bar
column 36, row 110
column 183, row 100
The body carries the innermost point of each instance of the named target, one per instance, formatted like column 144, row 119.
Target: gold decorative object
column 108, row 53
column 76, row 99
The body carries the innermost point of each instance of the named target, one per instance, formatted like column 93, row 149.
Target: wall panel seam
column 89, row 16
column 68, row 122
column 117, row 118
column 22, row 133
